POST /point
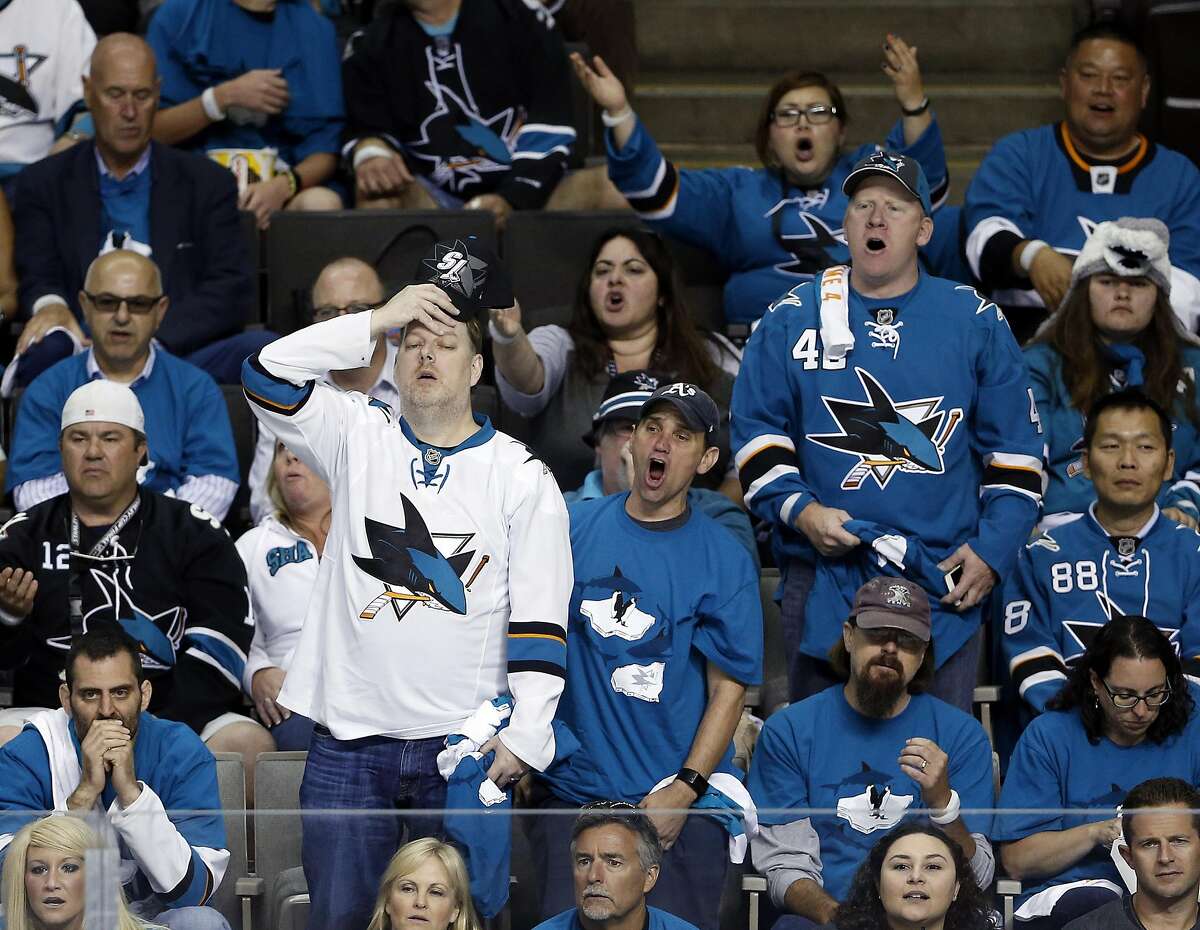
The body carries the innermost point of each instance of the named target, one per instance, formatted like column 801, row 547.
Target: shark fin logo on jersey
column 618, row 613
column 875, row 807
column 644, row 682
column 887, row 436
column 410, row 559
column 454, row 268
column 1084, row 632
column 819, row 247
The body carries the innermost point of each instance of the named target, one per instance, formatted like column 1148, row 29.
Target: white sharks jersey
column 446, row 575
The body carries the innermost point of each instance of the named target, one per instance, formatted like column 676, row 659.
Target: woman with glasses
column 628, row 315
column 282, row 554
column 1126, row 714
column 779, row 225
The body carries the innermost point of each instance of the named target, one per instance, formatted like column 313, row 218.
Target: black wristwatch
column 694, row 780
column 918, row 110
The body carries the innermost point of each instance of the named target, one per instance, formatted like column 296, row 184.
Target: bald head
column 122, row 95
column 125, row 50
column 346, row 281
column 123, row 264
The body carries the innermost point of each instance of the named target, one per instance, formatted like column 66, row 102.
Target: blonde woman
column 44, row 877
column 425, row 886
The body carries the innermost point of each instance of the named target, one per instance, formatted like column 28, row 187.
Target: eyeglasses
column 1127, row 701
column 818, row 115
column 329, row 312
column 111, row 303
column 877, row 636
column 609, row 806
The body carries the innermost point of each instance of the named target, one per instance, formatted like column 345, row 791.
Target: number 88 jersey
column 1072, row 580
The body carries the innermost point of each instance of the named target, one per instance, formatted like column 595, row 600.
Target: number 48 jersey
column 1072, row 580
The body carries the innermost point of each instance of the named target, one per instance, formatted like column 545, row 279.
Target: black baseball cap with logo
column 471, row 274
column 903, row 168
column 894, row 603
column 623, row 399
column 697, row 409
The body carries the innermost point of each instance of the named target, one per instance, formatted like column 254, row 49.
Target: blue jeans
column 689, row 884
column 345, row 855
column 192, row 918
column 954, row 681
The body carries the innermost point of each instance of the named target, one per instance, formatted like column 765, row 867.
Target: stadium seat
column 1170, row 31
column 546, row 253
column 755, row 887
column 250, row 235
column 245, row 433
column 231, row 783
column 300, row 244
column 277, row 778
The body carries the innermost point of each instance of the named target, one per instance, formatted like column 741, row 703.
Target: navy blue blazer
column 194, row 235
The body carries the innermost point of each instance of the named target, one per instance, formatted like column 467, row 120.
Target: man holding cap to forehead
column 883, row 395
column 897, row 750
column 109, row 550
column 665, row 633
column 612, row 427
column 446, row 574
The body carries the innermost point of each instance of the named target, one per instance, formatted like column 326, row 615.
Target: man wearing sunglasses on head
column 190, row 450
column 1121, row 558
column 344, row 286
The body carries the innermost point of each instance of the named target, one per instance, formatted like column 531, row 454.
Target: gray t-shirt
column 1116, row 915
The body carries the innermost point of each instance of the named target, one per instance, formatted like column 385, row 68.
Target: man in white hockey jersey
column 446, row 577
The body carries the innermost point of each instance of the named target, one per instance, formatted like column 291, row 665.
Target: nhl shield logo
column 1126, row 546
column 898, row 596
column 433, row 457
column 885, row 316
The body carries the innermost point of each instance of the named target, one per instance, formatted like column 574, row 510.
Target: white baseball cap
column 103, row 401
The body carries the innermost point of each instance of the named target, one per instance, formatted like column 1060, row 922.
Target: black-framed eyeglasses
column 329, row 311
column 609, row 806
column 1127, row 700
column 818, row 115
column 138, row 305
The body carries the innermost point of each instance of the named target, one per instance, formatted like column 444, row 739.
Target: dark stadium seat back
column 277, row 777
column 299, row 245
column 248, row 226
column 245, row 427
column 1170, row 32
column 547, row 253
column 231, row 783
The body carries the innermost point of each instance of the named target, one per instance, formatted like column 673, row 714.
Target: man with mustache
column 616, row 857
column 898, row 750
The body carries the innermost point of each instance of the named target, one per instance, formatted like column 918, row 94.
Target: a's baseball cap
column 103, row 401
column 893, row 602
column 698, row 410
column 904, row 169
column 470, row 273
column 623, row 399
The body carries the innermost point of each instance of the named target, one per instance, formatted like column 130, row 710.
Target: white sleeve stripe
column 1039, row 679
column 204, row 657
column 785, row 512
column 221, row 637
column 1001, row 486
column 30, row 493
column 547, row 127
column 758, row 443
column 983, row 231
column 1013, row 460
column 217, row 861
column 538, row 156
column 1037, row 652
column 659, row 175
column 777, row 472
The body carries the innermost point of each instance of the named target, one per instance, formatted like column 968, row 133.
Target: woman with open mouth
column 915, row 878
column 779, row 225
column 45, row 877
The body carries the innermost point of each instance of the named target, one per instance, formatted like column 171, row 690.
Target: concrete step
column 980, row 36
column 679, row 110
column 963, row 160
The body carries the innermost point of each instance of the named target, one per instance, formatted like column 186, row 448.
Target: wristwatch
column 694, row 780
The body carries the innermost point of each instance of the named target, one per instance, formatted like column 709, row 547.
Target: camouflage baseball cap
column 893, row 602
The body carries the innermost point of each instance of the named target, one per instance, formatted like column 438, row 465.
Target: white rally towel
column 65, row 770
column 834, row 292
column 476, row 730
column 729, row 802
